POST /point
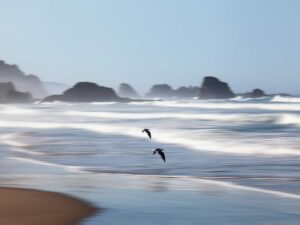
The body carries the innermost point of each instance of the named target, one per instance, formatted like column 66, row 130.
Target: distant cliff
column 87, row 92
column 21, row 81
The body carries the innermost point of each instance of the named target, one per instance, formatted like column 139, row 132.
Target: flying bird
column 160, row 152
column 148, row 132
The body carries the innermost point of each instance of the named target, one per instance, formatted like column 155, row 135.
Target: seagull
column 160, row 152
column 148, row 132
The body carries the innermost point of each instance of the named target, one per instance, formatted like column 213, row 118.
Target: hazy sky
column 248, row 43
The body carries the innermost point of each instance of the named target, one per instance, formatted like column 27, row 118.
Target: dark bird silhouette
column 148, row 132
column 160, row 152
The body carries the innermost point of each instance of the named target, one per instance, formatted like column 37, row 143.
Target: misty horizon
column 244, row 43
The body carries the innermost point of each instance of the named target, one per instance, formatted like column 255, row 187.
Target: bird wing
column 162, row 155
column 149, row 133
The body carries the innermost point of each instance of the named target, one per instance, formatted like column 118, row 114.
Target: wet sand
column 32, row 207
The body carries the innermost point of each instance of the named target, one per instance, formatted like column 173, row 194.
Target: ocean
column 249, row 146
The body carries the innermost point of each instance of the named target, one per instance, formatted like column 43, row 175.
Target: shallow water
column 246, row 145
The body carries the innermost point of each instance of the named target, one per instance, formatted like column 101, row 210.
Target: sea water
column 252, row 145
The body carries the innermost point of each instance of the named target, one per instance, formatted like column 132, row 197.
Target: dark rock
column 22, row 82
column 4, row 89
column 127, row 91
column 9, row 94
column 187, row 92
column 213, row 88
column 166, row 91
column 18, row 97
column 255, row 93
column 87, row 92
column 161, row 91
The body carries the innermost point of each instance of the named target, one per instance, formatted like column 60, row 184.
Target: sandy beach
column 32, row 207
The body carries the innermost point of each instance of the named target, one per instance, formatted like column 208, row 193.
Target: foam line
column 223, row 105
column 208, row 141
column 74, row 169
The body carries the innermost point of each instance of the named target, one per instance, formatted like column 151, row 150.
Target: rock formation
column 9, row 94
column 187, row 92
column 213, row 88
column 87, row 92
column 166, row 91
column 127, row 91
column 22, row 82
column 161, row 91
column 257, row 93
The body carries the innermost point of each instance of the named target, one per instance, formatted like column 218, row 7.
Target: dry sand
column 32, row 207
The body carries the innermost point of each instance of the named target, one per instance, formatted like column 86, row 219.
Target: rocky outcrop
column 166, row 91
column 127, row 91
column 187, row 92
column 9, row 94
column 161, row 91
column 18, row 97
column 22, row 82
column 213, row 88
column 257, row 93
column 87, row 92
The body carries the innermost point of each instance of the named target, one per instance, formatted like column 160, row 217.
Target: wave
column 183, row 116
column 173, row 182
column 222, row 105
column 13, row 140
column 74, row 169
column 103, row 103
column 200, row 141
column 279, row 98
column 278, row 118
column 289, row 119
column 14, row 110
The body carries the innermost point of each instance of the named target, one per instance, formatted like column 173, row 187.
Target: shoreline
column 22, row 206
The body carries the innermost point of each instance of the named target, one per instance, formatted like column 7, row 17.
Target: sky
column 247, row 43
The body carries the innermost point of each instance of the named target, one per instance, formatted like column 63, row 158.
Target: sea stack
column 161, row 91
column 87, row 92
column 127, row 91
column 213, row 88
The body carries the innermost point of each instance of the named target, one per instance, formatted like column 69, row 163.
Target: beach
column 33, row 207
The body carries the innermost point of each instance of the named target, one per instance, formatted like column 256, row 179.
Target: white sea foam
column 16, row 144
column 230, row 185
column 103, row 103
column 222, row 105
column 203, row 141
column 14, row 110
column 73, row 169
column 279, row 98
column 289, row 119
column 183, row 116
